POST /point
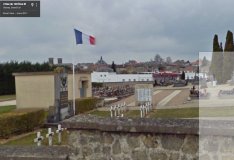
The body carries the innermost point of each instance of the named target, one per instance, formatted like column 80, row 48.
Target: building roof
column 44, row 73
column 101, row 62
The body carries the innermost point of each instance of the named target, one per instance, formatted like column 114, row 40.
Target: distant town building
column 102, row 66
column 101, row 77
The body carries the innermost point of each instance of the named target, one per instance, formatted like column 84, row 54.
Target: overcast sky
column 126, row 29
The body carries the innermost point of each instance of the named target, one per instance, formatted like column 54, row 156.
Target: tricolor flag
column 82, row 38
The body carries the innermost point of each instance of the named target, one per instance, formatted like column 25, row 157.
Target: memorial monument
column 62, row 108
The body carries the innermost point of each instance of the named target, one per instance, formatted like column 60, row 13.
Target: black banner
column 19, row 8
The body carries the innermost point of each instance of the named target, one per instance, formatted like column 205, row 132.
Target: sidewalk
column 8, row 103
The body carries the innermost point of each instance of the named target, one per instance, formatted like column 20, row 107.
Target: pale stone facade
column 37, row 89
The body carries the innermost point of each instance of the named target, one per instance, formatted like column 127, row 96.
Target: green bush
column 86, row 104
column 20, row 122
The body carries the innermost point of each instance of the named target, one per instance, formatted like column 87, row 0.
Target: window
column 134, row 80
column 123, row 80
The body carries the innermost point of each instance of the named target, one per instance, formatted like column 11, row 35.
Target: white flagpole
column 73, row 80
column 74, row 91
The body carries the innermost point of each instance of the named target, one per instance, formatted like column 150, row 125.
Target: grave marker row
column 49, row 135
column 145, row 109
column 118, row 110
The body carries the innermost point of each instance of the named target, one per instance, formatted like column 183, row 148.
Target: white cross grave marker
column 115, row 110
column 143, row 107
column 124, row 104
column 122, row 109
column 38, row 139
column 147, row 108
column 111, row 109
column 119, row 109
column 59, row 131
column 141, row 110
column 50, row 136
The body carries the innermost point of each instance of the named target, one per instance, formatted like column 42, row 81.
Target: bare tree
column 168, row 60
column 158, row 59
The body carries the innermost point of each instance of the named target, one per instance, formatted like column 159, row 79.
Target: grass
column 133, row 114
column 100, row 113
column 5, row 109
column 216, row 112
column 161, row 113
column 191, row 112
column 29, row 139
column 175, row 113
column 7, row 97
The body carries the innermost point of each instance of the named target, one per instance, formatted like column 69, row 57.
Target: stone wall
column 95, row 138
column 216, row 139
column 97, row 145
column 216, row 147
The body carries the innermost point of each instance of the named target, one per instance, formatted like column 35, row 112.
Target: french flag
column 82, row 38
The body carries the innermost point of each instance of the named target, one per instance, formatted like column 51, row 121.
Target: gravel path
column 179, row 99
column 161, row 95
column 8, row 103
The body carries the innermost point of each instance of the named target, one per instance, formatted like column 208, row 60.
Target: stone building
column 37, row 89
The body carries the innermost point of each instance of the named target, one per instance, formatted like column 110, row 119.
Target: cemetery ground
column 27, row 138
column 173, row 104
column 5, row 109
column 191, row 112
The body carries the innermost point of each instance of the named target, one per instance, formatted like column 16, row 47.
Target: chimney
column 60, row 60
column 51, row 61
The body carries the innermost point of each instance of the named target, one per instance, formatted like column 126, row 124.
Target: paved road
column 164, row 101
column 8, row 103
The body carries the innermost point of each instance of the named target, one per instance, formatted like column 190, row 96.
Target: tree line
column 7, row 80
column 222, row 63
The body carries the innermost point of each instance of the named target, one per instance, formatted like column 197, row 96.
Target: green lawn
column 216, row 112
column 29, row 139
column 100, row 113
column 175, row 113
column 161, row 113
column 7, row 97
column 5, row 109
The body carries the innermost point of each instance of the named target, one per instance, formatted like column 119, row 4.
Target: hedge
column 87, row 104
column 20, row 122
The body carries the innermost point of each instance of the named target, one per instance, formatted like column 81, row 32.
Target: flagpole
column 74, row 91
column 78, row 41
column 73, row 80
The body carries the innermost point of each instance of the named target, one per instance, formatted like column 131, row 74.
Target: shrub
column 86, row 104
column 20, row 122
